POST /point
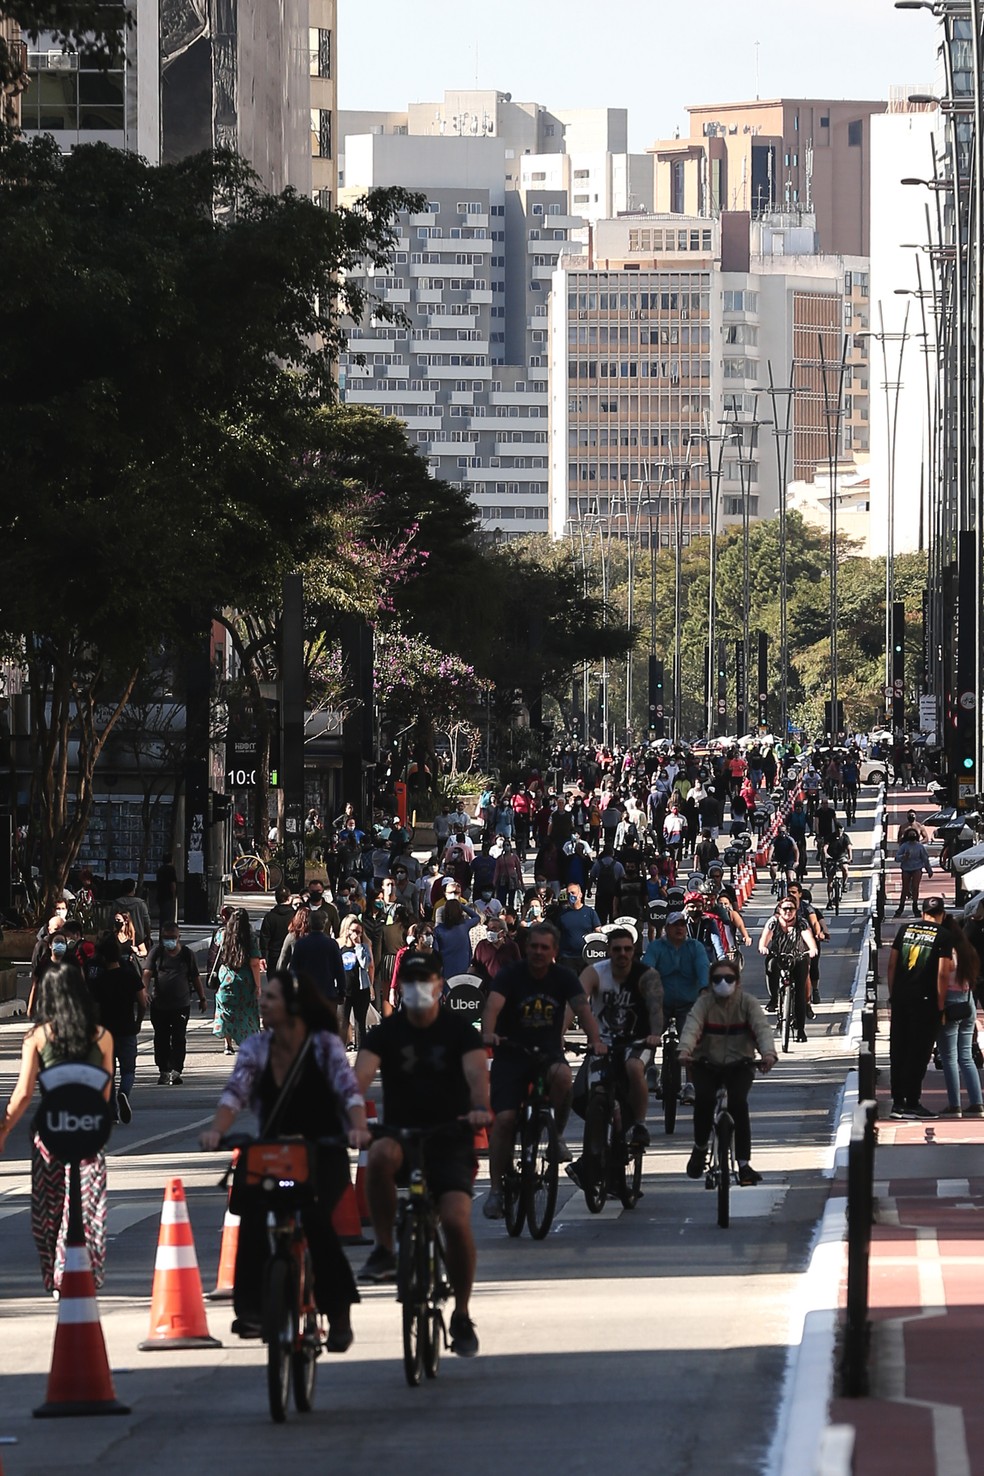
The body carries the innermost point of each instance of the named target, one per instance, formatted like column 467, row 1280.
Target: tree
column 156, row 416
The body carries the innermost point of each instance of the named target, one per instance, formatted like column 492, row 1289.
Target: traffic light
column 220, row 806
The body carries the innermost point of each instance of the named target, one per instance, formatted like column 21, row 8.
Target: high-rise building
column 804, row 154
column 664, row 334
column 324, row 107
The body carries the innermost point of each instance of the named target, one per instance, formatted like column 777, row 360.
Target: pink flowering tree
column 427, row 687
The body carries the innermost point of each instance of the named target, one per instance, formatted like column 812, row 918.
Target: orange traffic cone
column 79, row 1382
column 225, row 1280
column 361, row 1198
column 177, row 1307
column 347, row 1220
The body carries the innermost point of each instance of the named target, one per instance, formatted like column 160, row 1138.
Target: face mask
column 426, row 939
column 420, row 996
column 487, row 896
column 59, row 948
column 170, row 944
column 723, row 988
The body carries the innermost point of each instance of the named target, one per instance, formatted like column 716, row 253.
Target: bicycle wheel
column 632, row 1191
column 279, row 1330
column 433, row 1316
column 723, row 1133
column 412, row 1290
column 304, row 1366
column 594, row 1168
column 786, row 1008
column 540, row 1173
column 836, row 896
column 513, row 1203
column 671, row 1085
column 275, row 876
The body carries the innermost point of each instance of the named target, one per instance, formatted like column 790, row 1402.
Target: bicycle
column 610, row 1164
column 721, row 1165
column 529, row 1185
column 422, row 1285
column 280, row 1174
column 671, row 1075
column 835, row 885
column 786, row 999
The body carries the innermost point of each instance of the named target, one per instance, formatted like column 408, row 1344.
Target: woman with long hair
column 296, row 1078
column 237, row 1011
column 68, row 1029
column 126, row 936
column 300, row 926
column 956, row 1033
column 359, row 975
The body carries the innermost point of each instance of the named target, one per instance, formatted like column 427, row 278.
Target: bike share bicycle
column 529, row 1184
column 610, row 1164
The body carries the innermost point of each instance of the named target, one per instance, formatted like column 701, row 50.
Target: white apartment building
column 667, row 328
column 472, row 275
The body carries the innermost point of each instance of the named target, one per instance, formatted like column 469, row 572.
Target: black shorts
column 510, row 1078
column 450, row 1164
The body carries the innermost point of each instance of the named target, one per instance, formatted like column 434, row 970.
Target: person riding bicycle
column 682, row 965
column 811, row 788
column 824, row 825
column 811, row 917
column 851, row 775
column 718, row 1042
column 721, row 906
column 627, row 999
column 837, row 855
column 785, row 857
column 786, row 944
column 526, row 1007
column 434, row 1073
column 708, row 930
column 296, row 1077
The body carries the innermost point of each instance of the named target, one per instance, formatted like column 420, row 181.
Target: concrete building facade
column 809, row 155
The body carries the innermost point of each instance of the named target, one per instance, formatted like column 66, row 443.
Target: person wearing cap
column 718, row 1043
column 912, row 859
column 719, row 903
column 702, row 928
column 920, row 965
column 682, row 965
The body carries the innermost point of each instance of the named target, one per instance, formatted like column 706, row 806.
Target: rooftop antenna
column 758, row 45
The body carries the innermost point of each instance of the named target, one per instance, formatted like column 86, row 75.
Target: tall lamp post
column 833, row 409
column 715, row 470
column 782, row 397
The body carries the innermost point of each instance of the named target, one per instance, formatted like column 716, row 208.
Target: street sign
column 968, row 701
column 889, row 691
column 899, row 688
column 927, row 713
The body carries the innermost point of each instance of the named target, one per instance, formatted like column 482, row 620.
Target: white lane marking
column 124, row 1216
column 952, row 1188
column 189, row 1127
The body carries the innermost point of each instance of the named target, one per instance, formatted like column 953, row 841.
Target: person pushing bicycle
column 434, row 1071
column 719, row 1040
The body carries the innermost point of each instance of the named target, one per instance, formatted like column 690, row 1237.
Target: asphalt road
column 646, row 1336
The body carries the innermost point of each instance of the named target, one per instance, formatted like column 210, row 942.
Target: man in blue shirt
column 576, row 922
column 682, row 965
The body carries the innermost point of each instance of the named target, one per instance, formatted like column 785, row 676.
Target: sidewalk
column 924, row 1412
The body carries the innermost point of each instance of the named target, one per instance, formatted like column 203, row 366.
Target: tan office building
column 324, row 103
column 794, row 155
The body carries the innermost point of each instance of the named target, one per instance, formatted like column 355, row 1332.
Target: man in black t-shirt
column 527, row 1006
column 434, row 1072
column 919, row 965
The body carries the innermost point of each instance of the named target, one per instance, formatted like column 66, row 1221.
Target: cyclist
column 718, row 1043
column 295, row 1076
column 810, row 917
column 824, row 825
column 797, row 825
column 708, row 930
column 785, row 941
column 811, row 788
column 851, row 774
column 526, row 1007
column 682, row 965
column 837, row 855
column 627, row 999
column 785, row 857
column 720, row 902
column 434, row 1074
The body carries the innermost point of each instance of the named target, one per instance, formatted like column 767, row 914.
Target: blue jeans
column 954, row 1041
column 125, row 1053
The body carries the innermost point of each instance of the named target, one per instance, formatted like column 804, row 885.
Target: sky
column 653, row 57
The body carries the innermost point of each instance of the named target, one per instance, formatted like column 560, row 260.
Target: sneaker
column 125, row 1110
column 898, row 1112
column 977, row 1111
column 164, row 1080
column 639, row 1136
column 688, row 1095
column 951, row 1112
column 919, row 1111
column 697, row 1162
column 464, row 1338
column 816, row 995
column 898, row 912
column 492, row 1209
column 564, row 1154
column 244, row 1328
column 573, row 1172
column 810, row 1013
column 801, row 1036
column 176, row 1078
column 747, row 1176
column 381, row 1265
column 339, row 1339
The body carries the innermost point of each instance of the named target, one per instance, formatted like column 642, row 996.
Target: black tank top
column 311, row 1108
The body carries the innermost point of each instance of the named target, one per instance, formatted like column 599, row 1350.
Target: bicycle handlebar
column 243, row 1140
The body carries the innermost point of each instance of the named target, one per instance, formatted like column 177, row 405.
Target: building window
column 323, row 198
column 321, row 133
column 855, row 133
column 320, row 47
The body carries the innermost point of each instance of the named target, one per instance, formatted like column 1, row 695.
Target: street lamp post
column 783, row 433
column 833, row 407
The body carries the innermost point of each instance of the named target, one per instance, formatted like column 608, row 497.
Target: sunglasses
column 732, row 978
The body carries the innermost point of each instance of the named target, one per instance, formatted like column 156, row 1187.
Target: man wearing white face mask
column 719, row 1039
column 435, row 1075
